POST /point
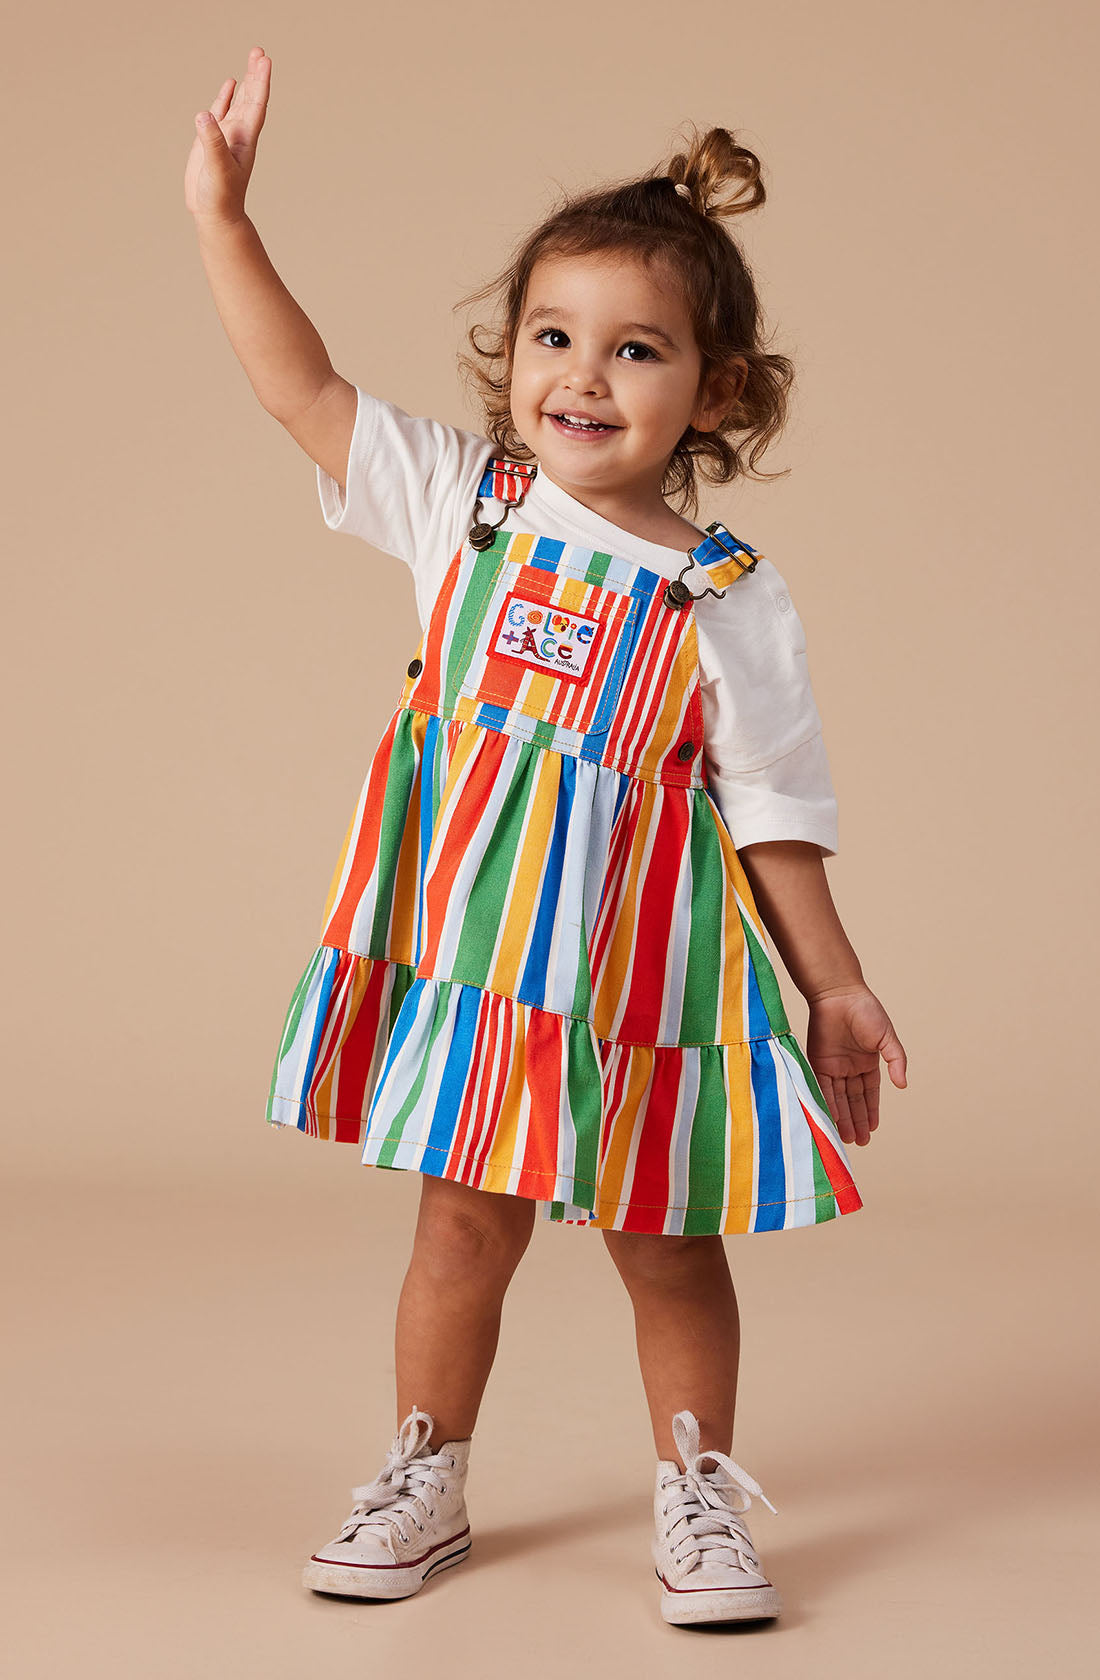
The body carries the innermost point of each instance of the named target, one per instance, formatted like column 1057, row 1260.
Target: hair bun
column 713, row 162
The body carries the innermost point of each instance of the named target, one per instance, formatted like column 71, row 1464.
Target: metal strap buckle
column 677, row 594
column 713, row 533
column 481, row 534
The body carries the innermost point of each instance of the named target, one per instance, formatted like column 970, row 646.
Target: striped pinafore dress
column 540, row 970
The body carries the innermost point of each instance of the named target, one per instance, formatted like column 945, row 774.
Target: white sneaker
column 703, row 1551
column 407, row 1524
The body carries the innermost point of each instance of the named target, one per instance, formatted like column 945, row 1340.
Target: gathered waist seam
column 692, row 785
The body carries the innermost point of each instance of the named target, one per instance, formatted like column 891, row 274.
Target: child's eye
column 633, row 344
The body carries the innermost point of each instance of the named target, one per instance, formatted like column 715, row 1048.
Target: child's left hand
column 848, row 1031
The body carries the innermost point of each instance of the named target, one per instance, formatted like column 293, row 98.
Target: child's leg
column 687, row 1328
column 467, row 1245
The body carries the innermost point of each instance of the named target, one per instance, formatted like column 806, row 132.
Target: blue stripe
column 427, row 819
column 710, row 551
column 646, row 582
column 547, row 548
column 402, row 1027
column 493, row 717
column 624, row 789
column 532, row 987
column 772, row 1192
column 757, row 1023
column 462, row 1028
column 329, row 962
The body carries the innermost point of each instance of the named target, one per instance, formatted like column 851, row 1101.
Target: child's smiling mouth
column 575, row 427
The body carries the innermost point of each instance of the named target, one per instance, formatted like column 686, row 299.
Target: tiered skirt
column 540, row 976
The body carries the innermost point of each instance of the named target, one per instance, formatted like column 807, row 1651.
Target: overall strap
column 505, row 481
column 719, row 556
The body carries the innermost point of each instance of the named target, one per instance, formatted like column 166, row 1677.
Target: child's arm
column 848, row 1027
column 278, row 346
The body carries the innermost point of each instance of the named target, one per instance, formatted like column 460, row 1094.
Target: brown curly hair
column 649, row 220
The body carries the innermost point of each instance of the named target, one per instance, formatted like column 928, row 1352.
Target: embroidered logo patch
column 549, row 638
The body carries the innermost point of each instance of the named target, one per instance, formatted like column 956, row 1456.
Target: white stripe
column 800, row 1183
column 625, row 976
column 687, row 1101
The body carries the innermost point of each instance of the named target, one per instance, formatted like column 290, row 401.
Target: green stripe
column 582, row 991
column 825, row 1205
column 483, row 911
column 703, row 982
column 707, row 1155
column 393, row 1136
column 477, row 586
column 545, row 734
column 403, row 976
column 584, row 1087
column 293, row 1020
column 596, row 569
column 396, row 808
column 790, row 1043
column 766, row 981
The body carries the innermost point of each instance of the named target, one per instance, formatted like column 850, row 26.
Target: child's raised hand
column 224, row 149
column 847, row 1032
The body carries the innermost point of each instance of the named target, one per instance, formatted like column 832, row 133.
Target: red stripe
column 456, row 1165
column 649, row 1189
column 543, row 1072
column 654, row 919
column 361, row 861
column 847, row 1196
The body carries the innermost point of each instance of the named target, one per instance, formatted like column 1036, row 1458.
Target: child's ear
column 720, row 394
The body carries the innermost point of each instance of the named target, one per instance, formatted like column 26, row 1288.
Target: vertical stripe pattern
column 540, row 968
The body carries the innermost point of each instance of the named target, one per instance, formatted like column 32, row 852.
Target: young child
column 542, row 978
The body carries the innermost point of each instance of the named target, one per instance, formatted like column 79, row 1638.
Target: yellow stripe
column 613, row 1172
column 729, row 571
column 615, row 977
column 526, row 875
column 665, row 728
column 522, row 544
column 738, row 1059
column 407, row 876
column 337, row 874
column 732, row 1024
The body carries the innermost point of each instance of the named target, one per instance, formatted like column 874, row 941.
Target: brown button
column 685, row 751
column 415, row 667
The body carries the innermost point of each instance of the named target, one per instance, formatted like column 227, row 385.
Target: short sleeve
column 767, row 765
column 409, row 489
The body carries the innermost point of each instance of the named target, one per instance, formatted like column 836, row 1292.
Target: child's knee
column 660, row 1261
column 460, row 1229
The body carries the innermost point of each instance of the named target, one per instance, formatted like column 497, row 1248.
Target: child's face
column 583, row 345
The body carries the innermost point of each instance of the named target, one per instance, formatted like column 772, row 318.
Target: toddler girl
column 542, row 977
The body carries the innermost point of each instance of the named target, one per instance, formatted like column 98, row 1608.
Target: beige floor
column 203, row 1380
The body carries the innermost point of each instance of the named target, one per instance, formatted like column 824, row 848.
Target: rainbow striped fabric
column 540, row 970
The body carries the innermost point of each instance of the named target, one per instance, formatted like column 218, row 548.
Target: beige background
column 199, row 672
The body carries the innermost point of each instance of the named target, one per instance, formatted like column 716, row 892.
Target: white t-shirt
column 410, row 490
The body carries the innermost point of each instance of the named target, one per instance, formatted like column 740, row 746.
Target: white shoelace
column 703, row 1501
column 399, row 1490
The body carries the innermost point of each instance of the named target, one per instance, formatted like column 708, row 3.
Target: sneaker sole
column 686, row 1605
column 370, row 1580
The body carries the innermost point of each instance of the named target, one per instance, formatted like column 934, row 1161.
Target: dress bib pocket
column 552, row 646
